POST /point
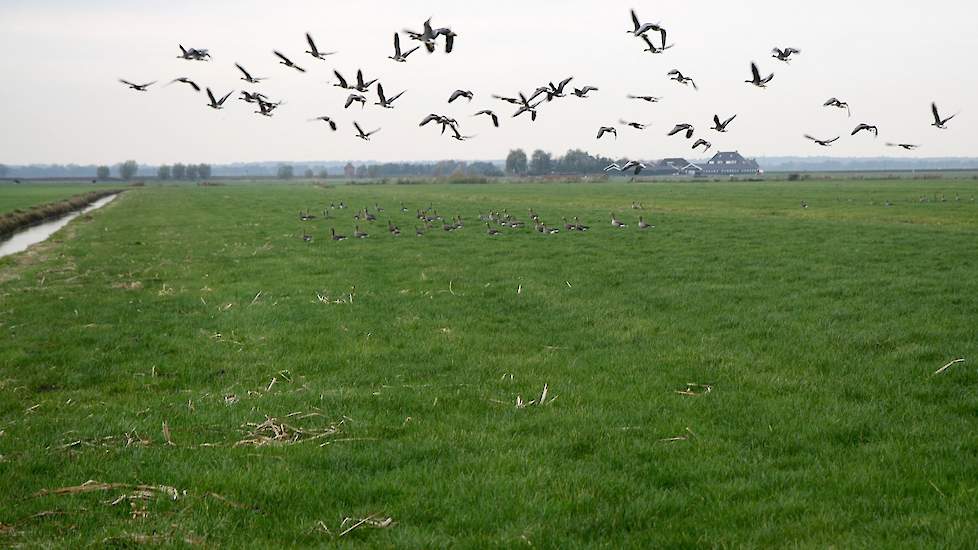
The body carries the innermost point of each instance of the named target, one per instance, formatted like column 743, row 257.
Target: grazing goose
column 384, row 101
column 646, row 98
column 246, row 76
column 615, row 222
column 137, row 87
column 652, row 48
column 185, row 80
column 306, row 216
column 756, row 79
column 355, row 98
column 492, row 115
column 721, row 126
column 822, row 142
column 906, row 146
column 702, row 142
column 636, row 125
column 365, row 136
column 607, row 130
column 783, row 55
column 688, row 128
column 568, row 225
column 681, row 78
column 417, row 230
column 939, row 122
column 327, row 120
column 582, row 92
column 868, row 128
column 642, row 224
column 336, row 237
column 491, row 230
column 393, row 229
column 398, row 55
column 306, row 237
column 314, row 51
column 835, row 102
column 287, row 62
column 580, row 226
column 357, row 234
column 214, row 103
column 467, row 94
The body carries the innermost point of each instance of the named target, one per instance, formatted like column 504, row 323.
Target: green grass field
column 14, row 197
column 392, row 368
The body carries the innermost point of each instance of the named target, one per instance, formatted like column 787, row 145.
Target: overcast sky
column 61, row 102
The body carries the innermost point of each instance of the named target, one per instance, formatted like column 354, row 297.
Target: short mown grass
column 391, row 369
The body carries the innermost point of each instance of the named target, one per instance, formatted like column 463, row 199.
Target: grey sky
column 889, row 59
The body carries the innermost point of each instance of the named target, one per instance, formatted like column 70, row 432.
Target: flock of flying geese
column 428, row 219
column 526, row 104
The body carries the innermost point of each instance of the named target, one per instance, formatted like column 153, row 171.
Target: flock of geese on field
column 431, row 39
column 428, row 219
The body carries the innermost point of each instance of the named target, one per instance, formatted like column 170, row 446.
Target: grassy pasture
column 393, row 367
column 19, row 197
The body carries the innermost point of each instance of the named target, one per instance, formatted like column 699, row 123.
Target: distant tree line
column 184, row 172
column 542, row 163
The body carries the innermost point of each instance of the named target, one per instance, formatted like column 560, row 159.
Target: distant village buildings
column 727, row 163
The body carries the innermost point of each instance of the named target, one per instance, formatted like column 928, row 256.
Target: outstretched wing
column 728, row 121
column 312, row 45
column 210, row 95
column 380, row 93
column 243, row 71
column 635, row 21
column 755, row 72
column 937, row 115
column 342, row 80
column 397, row 45
column 286, row 60
column 359, row 129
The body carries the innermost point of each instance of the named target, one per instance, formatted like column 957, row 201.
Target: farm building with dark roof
column 730, row 163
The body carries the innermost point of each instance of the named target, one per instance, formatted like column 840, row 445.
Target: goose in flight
column 822, row 142
column 702, row 142
column 314, row 51
column 607, row 130
column 582, row 92
column 492, row 115
column 835, row 102
column 214, row 103
column 384, row 101
column 440, row 119
column 551, row 90
column 467, row 94
column 287, row 62
column 246, row 76
column 193, row 54
column 458, row 135
column 636, row 125
column 365, row 136
column 327, row 120
column 449, row 35
column 630, row 165
column 426, row 37
column 721, row 126
column 868, row 128
column 137, row 87
column 939, row 122
column 639, row 29
column 252, row 97
column 681, row 78
column 646, row 98
column 356, row 98
column 906, row 146
column 187, row 81
column 265, row 108
column 688, row 128
column 785, row 54
column 362, row 86
column 528, row 108
column 398, row 55
column 756, row 79
column 652, row 48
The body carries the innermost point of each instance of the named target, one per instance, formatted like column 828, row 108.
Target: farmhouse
column 730, row 163
column 675, row 167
